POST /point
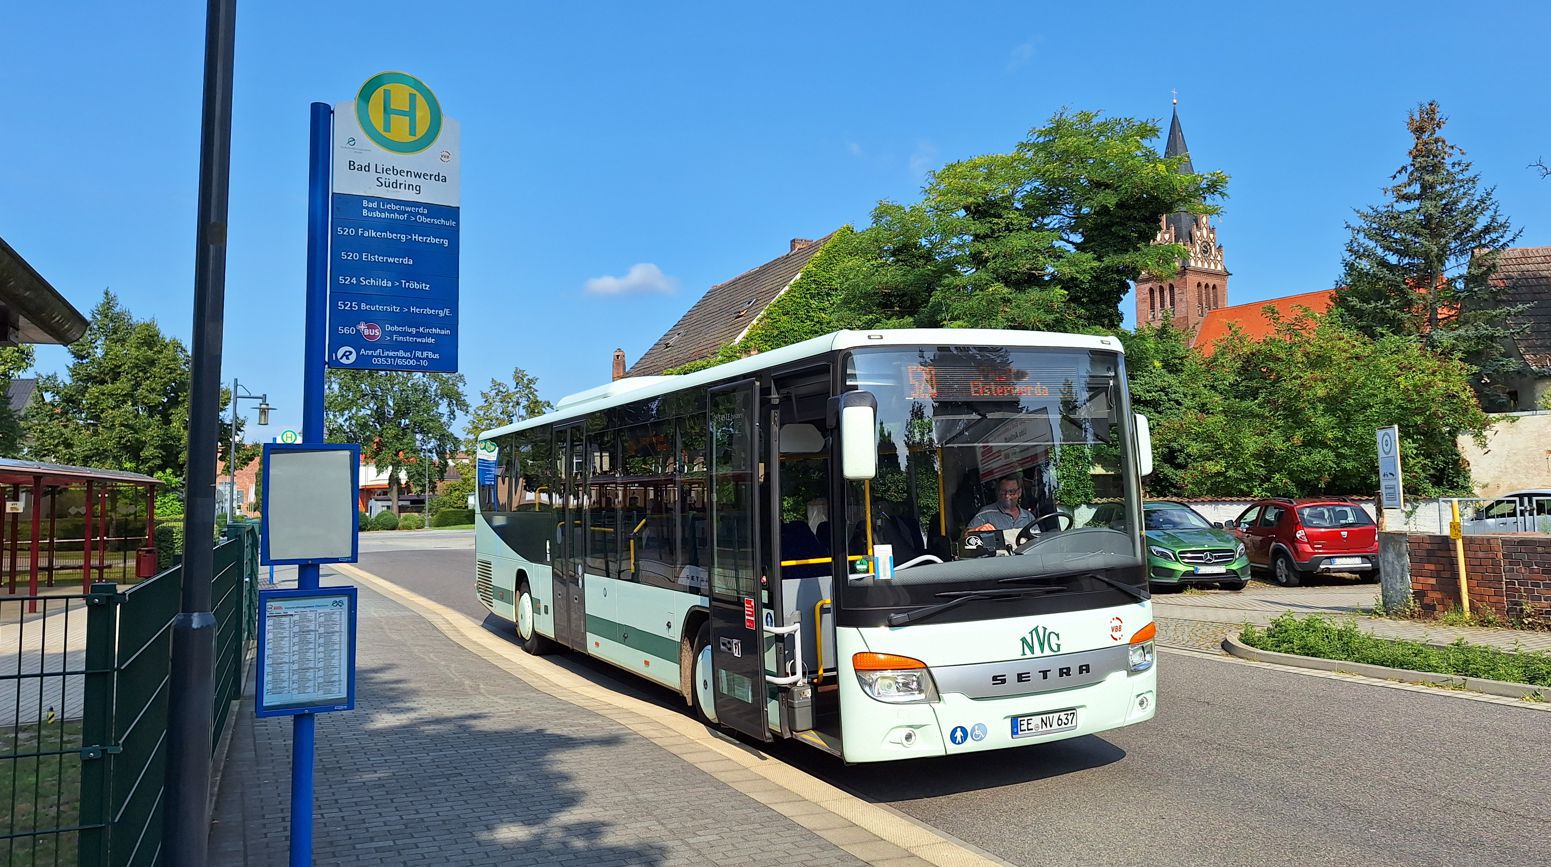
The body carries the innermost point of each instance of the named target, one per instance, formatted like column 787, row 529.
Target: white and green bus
column 808, row 543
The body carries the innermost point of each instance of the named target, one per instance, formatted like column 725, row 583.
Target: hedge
column 410, row 521
column 385, row 521
column 363, row 521
column 452, row 517
column 169, row 543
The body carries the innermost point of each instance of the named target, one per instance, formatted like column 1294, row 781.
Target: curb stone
column 1234, row 646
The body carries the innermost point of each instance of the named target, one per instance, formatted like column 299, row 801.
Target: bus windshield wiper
column 958, row 597
column 1099, row 576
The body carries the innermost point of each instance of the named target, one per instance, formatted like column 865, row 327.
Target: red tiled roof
column 1526, row 272
column 1251, row 319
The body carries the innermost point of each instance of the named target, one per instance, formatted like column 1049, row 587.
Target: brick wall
column 1511, row 575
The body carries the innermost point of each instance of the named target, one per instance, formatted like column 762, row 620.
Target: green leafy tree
column 395, row 417
column 1295, row 414
column 14, row 361
column 1420, row 263
column 1169, row 385
column 123, row 403
column 503, row 403
column 1048, row 236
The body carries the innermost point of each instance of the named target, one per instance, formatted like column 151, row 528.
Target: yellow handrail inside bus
column 632, row 543
column 536, row 496
column 816, row 560
column 818, row 636
column 867, row 504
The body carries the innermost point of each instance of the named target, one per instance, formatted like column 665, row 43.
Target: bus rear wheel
column 700, row 682
column 527, row 629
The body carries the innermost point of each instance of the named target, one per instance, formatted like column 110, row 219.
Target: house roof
column 1526, row 273
column 1251, row 319
column 20, row 393
column 725, row 311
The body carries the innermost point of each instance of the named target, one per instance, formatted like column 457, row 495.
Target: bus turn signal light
column 1146, row 633
column 883, row 662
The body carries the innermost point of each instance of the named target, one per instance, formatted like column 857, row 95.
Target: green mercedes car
column 1185, row 548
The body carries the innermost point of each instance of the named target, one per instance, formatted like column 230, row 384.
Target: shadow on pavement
column 397, row 783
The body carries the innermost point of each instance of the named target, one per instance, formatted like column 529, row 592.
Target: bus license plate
column 1044, row 723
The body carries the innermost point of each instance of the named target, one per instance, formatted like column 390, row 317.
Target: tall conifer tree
column 1420, row 263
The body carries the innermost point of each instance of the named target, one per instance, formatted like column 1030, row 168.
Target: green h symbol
column 389, row 112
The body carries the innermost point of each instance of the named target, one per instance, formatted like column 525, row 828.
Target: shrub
column 410, row 521
column 169, row 543
column 385, row 521
column 1317, row 636
column 452, row 517
column 363, row 521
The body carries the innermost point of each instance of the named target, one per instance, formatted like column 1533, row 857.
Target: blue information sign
column 393, row 231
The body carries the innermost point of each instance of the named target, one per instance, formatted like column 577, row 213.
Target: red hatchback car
column 1295, row 538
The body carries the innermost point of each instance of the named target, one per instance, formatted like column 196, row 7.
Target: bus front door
column 737, row 638
column 570, row 612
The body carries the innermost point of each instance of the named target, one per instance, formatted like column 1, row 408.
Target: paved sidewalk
column 449, row 759
column 1193, row 619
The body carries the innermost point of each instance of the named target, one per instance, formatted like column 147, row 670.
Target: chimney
column 619, row 364
column 799, row 244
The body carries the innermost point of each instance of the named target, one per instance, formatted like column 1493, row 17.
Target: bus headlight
column 1141, row 656
column 1142, row 653
column 894, row 679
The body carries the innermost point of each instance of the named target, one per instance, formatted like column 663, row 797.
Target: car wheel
column 527, row 629
column 700, row 686
column 1284, row 572
column 1232, row 585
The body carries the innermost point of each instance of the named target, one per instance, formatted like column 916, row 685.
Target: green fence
column 88, row 677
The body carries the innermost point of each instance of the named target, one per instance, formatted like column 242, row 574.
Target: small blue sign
column 959, row 735
column 306, row 651
column 393, row 284
column 978, row 732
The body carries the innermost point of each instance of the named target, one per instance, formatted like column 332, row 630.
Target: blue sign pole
column 318, row 174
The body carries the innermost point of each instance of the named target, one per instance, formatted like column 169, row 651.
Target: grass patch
column 1319, row 637
column 455, row 527
column 40, row 771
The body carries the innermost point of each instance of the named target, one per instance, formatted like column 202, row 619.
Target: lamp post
column 240, row 393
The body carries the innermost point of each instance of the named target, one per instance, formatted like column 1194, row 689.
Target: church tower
column 1202, row 281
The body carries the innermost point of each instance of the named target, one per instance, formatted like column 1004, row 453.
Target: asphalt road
column 1243, row 765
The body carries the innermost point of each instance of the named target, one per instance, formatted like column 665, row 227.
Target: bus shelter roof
column 19, row 472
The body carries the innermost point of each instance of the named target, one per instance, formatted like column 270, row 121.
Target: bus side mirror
column 858, row 420
column 1143, row 445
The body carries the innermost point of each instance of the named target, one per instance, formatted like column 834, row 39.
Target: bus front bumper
column 959, row 724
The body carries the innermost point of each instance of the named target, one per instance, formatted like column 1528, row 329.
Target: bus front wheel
column 527, row 630
column 704, row 698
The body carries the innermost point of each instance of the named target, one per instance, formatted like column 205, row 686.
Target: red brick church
column 1195, row 300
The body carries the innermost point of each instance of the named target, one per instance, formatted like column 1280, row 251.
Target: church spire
column 1176, row 144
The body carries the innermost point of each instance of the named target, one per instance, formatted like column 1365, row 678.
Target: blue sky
column 674, row 146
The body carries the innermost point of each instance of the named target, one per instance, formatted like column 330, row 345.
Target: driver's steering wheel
column 1029, row 532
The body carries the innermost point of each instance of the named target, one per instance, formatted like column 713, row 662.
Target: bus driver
column 998, row 525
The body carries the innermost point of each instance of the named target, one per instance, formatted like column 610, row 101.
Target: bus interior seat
column 798, row 542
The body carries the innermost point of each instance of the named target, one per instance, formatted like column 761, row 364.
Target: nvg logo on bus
column 1040, row 640
column 398, row 112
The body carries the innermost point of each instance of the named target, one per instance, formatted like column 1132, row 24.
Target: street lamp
column 240, row 393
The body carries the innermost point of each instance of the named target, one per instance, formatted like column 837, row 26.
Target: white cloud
column 924, row 159
column 643, row 278
column 854, row 148
column 1022, row 55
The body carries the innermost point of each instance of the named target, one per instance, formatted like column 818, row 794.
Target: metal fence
column 85, row 682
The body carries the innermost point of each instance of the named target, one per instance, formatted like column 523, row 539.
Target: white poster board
column 310, row 507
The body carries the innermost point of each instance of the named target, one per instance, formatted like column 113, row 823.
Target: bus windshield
column 994, row 465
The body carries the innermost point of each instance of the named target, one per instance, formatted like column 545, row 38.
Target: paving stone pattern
column 449, row 760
